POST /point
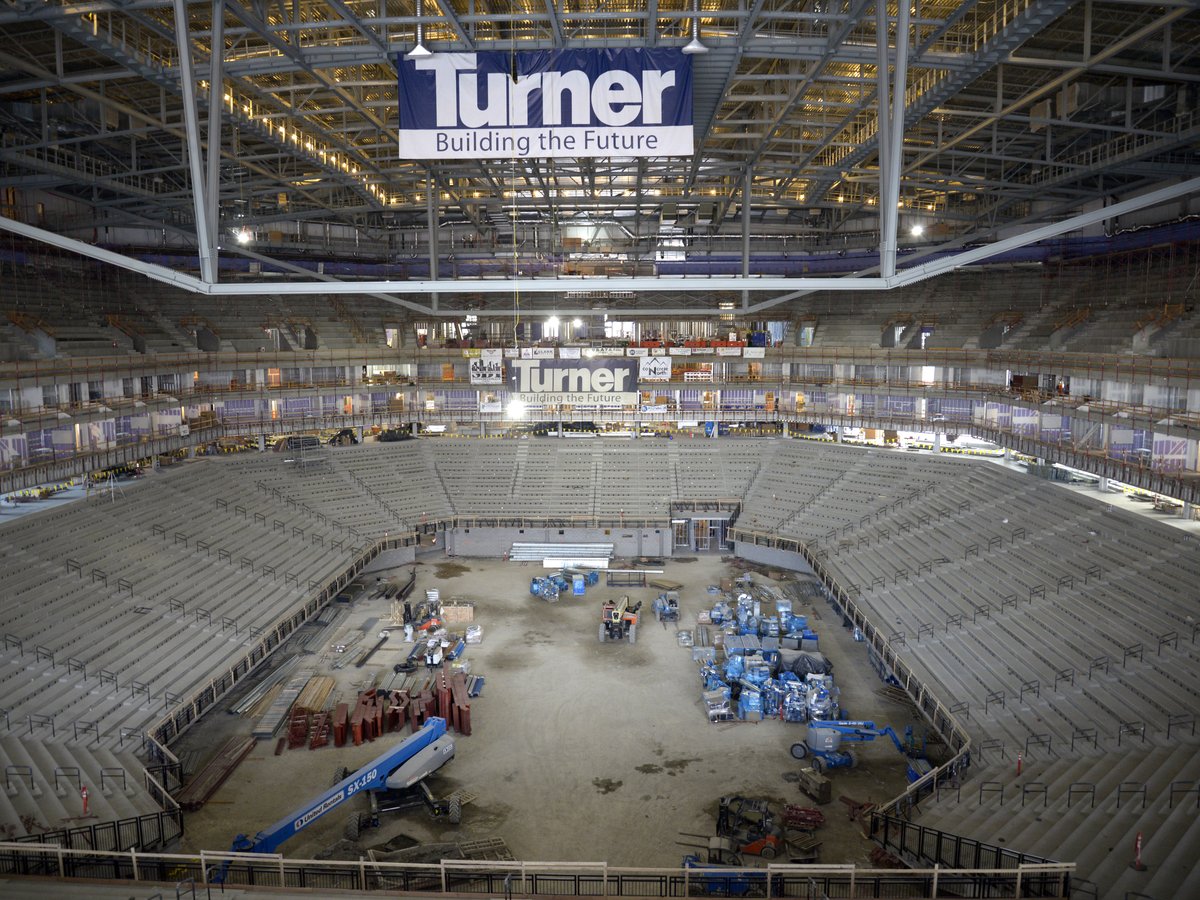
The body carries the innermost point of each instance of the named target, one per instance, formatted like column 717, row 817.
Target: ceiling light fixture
column 420, row 51
column 694, row 46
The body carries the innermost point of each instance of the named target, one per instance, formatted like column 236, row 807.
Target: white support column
column 937, row 442
column 187, row 81
column 216, row 99
column 884, row 112
column 431, row 216
column 262, row 443
column 896, row 143
column 746, row 186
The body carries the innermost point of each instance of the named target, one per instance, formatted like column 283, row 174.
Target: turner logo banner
column 546, row 103
column 574, row 381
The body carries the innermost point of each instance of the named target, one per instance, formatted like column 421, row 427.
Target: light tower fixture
column 694, row 46
column 420, row 51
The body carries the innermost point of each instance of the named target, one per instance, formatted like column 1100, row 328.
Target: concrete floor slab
column 581, row 750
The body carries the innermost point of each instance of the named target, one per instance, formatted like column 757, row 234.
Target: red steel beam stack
column 397, row 710
column 460, row 713
column 205, row 782
column 341, row 720
column 298, row 729
column 320, row 733
column 362, row 722
column 441, row 683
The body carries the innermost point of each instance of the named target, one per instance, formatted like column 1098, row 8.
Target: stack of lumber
column 197, row 791
column 263, row 702
column 315, row 694
column 281, row 706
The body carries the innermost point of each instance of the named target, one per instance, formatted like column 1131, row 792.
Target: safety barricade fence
column 910, row 840
column 492, row 878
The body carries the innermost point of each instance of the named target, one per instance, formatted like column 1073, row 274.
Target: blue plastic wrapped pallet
column 578, row 585
column 757, row 674
column 794, row 707
column 795, row 624
column 742, row 645
column 808, row 640
column 734, row 667
column 783, row 609
column 774, row 694
column 750, row 706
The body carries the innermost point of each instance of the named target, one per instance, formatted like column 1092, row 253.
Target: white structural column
column 895, row 152
column 746, row 187
column 216, row 100
column 884, row 115
column 187, row 82
column 431, row 215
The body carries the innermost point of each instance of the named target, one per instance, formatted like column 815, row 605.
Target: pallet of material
column 320, row 730
column 315, row 693
column 197, row 791
column 263, row 703
column 458, row 612
column 298, row 728
column 278, row 712
column 663, row 585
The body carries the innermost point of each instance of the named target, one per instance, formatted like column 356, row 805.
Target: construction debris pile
column 759, row 660
column 567, row 581
column 752, row 827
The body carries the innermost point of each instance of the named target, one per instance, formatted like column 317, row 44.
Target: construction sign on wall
column 546, row 103
column 582, row 381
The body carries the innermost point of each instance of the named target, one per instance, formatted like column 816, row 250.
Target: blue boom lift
column 403, row 767
column 825, row 738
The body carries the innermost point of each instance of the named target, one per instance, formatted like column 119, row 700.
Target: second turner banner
column 546, row 103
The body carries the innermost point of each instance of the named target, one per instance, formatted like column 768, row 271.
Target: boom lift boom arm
column 402, row 766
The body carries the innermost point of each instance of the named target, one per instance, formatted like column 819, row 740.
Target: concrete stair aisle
column 38, row 807
column 1106, row 856
column 982, row 815
column 110, row 792
column 1151, row 769
column 1170, row 859
column 1098, row 838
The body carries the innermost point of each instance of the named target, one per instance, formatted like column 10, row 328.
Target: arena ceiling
column 1015, row 114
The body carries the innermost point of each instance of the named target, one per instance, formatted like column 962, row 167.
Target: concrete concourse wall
column 771, row 556
column 496, row 542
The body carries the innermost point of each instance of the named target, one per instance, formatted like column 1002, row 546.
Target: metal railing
column 142, row 832
column 931, row 847
column 492, row 878
column 1094, row 366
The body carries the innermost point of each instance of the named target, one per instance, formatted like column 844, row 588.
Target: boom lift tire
column 353, row 828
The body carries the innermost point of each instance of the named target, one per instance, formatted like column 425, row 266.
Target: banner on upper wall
column 487, row 368
column 574, row 382
column 654, row 368
column 546, row 103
